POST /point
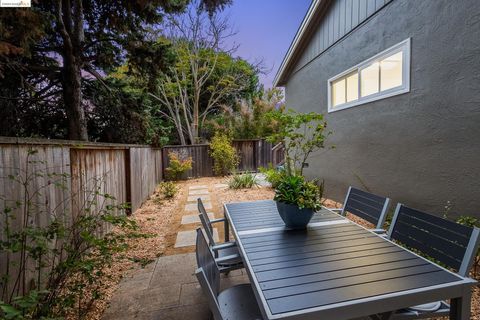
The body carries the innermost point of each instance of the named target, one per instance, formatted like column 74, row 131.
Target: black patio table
column 335, row 269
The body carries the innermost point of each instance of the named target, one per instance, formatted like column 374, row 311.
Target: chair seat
column 229, row 252
column 423, row 311
column 238, row 303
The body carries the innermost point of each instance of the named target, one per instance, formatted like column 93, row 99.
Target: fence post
column 128, row 180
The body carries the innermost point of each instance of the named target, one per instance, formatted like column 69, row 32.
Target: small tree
column 301, row 134
column 177, row 166
column 225, row 158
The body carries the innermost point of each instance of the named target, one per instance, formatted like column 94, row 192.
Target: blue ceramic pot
column 293, row 216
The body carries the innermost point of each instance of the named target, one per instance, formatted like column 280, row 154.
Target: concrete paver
column 204, row 197
column 193, row 218
column 198, row 187
column 194, row 207
column 188, row 238
column 197, row 192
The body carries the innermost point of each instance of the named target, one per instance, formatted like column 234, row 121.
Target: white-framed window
column 384, row 75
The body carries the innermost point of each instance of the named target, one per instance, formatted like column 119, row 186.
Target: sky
column 265, row 29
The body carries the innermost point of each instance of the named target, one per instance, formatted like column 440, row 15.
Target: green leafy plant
column 301, row 134
column 294, row 189
column 243, row 181
column 225, row 158
column 169, row 189
column 272, row 175
column 177, row 166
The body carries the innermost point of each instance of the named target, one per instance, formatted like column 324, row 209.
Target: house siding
column 342, row 16
column 420, row 148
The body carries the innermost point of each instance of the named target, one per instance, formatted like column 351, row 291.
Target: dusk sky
column 265, row 30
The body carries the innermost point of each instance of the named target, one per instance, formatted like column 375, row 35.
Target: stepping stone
column 199, row 191
column 204, row 197
column 198, row 187
column 193, row 218
column 188, row 238
column 193, row 206
column 221, row 186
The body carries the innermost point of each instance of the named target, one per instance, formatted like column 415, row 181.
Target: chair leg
column 460, row 307
column 382, row 316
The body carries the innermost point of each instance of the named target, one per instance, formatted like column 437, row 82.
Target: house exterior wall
column 421, row 148
column 341, row 18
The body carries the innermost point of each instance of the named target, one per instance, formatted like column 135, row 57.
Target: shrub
column 243, row 181
column 296, row 190
column 272, row 175
column 225, row 158
column 177, row 167
column 168, row 189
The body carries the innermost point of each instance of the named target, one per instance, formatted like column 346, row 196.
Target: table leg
column 226, row 227
column 460, row 307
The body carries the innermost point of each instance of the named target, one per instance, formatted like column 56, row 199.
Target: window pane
column 391, row 71
column 352, row 87
column 370, row 79
column 338, row 92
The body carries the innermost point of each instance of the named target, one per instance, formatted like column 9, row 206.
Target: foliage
column 249, row 118
column 123, row 113
column 54, row 46
column 177, row 166
column 225, row 158
column 243, row 181
column 169, row 189
column 67, row 255
column 294, row 189
column 273, row 175
column 301, row 134
column 205, row 76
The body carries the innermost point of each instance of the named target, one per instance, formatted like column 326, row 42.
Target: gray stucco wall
column 420, row 148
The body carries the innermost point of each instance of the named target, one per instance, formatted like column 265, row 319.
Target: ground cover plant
column 243, row 181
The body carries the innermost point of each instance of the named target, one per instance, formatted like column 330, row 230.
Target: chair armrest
column 218, row 220
column 335, row 209
column 227, row 258
column 378, row 231
column 223, row 246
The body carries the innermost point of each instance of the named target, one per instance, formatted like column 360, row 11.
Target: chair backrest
column 450, row 243
column 207, row 225
column 208, row 274
column 367, row 206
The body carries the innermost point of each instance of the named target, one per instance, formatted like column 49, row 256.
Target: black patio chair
column 237, row 302
column 452, row 244
column 226, row 254
column 368, row 206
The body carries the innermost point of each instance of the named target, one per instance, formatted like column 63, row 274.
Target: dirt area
column 162, row 220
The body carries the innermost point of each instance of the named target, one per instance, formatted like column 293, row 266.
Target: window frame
column 404, row 47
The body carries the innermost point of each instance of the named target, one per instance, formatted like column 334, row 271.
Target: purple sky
column 265, row 30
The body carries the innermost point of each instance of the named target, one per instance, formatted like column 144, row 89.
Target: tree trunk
column 72, row 98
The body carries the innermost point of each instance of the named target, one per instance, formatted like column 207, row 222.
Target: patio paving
column 188, row 238
column 165, row 289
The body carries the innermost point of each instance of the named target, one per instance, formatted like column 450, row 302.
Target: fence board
column 253, row 155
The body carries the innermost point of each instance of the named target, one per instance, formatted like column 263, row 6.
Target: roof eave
column 283, row 71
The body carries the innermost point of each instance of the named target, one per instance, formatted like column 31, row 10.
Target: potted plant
column 297, row 200
column 301, row 134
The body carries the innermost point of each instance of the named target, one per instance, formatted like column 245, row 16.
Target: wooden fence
column 60, row 178
column 253, row 155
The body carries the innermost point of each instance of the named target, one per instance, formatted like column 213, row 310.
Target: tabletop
column 334, row 269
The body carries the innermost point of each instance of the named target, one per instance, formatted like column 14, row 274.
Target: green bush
column 243, row 181
column 225, row 158
column 296, row 190
column 177, row 167
column 168, row 189
column 272, row 175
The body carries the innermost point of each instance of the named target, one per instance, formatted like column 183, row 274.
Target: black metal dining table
column 335, row 269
